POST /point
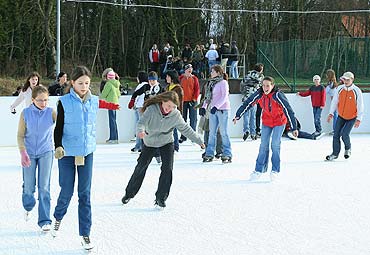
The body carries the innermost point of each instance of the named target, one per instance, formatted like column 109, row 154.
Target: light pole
column 58, row 39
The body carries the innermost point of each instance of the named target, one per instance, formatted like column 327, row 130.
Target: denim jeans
column 335, row 117
column 317, row 118
column 189, row 107
column 139, row 142
column 249, row 121
column 165, row 178
column 220, row 121
column 176, row 145
column 44, row 163
column 113, row 132
column 67, row 176
column 342, row 129
column 267, row 133
column 234, row 69
column 218, row 141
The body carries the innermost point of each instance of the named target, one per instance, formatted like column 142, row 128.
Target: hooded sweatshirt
column 111, row 92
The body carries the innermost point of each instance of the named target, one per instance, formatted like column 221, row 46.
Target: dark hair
column 142, row 76
column 60, row 75
column 39, row 90
column 258, row 67
column 27, row 84
column 174, row 76
column 163, row 97
column 77, row 73
column 220, row 70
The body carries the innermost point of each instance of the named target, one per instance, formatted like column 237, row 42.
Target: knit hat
column 153, row 76
column 348, row 75
column 316, row 77
column 111, row 75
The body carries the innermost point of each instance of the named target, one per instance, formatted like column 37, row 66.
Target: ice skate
column 159, row 203
column 86, row 243
column 274, row 175
column 254, row 176
column 226, row 159
column 207, row 159
column 331, row 157
column 46, row 228
column 246, row 135
column 54, row 231
column 125, row 199
column 27, row 215
column 347, row 153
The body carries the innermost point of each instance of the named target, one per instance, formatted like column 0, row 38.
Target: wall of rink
column 126, row 118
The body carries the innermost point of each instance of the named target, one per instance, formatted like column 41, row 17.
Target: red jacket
column 318, row 95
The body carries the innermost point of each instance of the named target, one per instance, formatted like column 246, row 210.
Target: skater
column 217, row 104
column 160, row 117
column 330, row 89
column 35, row 130
column 32, row 81
column 75, row 143
column 111, row 93
column 348, row 102
column 318, row 99
column 276, row 112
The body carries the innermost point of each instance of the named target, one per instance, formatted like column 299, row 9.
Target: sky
column 314, row 207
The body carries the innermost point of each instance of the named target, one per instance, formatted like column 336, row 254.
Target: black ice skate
column 226, row 159
column 160, row 203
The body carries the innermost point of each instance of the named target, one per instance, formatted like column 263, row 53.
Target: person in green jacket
column 160, row 117
column 111, row 93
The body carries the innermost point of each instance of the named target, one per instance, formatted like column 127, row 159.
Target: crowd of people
column 160, row 114
column 202, row 57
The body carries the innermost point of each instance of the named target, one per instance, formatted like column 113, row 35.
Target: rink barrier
column 126, row 118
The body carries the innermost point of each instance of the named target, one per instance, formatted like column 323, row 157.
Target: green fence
column 295, row 60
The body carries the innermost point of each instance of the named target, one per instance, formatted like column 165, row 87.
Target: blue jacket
column 39, row 130
column 79, row 130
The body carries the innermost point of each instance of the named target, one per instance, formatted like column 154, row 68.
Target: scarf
column 210, row 85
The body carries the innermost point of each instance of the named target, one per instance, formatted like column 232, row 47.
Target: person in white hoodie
column 25, row 95
column 155, row 127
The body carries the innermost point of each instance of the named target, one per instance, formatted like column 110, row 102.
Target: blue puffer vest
column 79, row 124
column 38, row 138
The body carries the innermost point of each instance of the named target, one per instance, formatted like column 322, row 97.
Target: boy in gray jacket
column 160, row 117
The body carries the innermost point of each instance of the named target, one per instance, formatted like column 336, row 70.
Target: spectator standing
column 154, row 57
column 212, row 56
column 57, row 88
column 233, row 58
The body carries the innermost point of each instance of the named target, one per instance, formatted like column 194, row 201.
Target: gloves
column 202, row 111
column 59, row 152
column 79, row 160
column 213, row 110
column 25, row 159
column 131, row 103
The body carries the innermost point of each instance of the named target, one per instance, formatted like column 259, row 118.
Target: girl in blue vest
column 35, row 144
column 75, row 142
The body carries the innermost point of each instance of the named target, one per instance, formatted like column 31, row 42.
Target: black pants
column 258, row 118
column 165, row 179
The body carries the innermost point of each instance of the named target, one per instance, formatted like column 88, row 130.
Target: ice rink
column 314, row 207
